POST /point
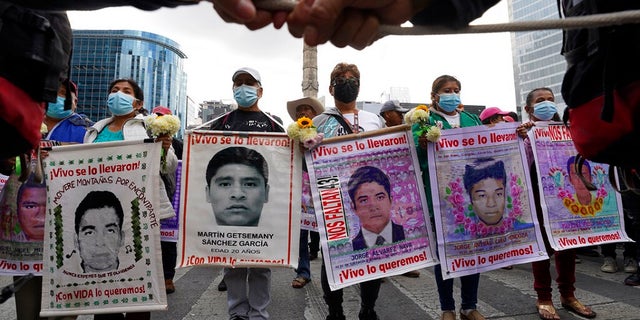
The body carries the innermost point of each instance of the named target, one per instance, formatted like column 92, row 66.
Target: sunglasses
column 342, row 80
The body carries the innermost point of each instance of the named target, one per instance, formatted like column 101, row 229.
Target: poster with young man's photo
column 483, row 206
column 240, row 202
column 102, row 229
column 370, row 206
column 579, row 206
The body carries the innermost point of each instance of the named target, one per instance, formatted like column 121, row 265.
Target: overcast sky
column 215, row 49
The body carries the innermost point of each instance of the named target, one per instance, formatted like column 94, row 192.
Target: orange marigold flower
column 422, row 107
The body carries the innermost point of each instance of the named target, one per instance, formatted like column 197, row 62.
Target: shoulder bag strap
column 343, row 123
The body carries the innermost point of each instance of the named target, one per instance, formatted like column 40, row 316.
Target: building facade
column 153, row 61
column 212, row 109
column 537, row 61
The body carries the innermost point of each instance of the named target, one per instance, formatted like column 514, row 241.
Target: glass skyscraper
column 153, row 61
column 536, row 54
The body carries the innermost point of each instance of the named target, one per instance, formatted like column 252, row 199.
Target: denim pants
column 468, row 287
column 368, row 293
column 304, row 269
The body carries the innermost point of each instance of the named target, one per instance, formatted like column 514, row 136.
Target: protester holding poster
column 62, row 126
column 344, row 119
column 308, row 107
column 445, row 99
column 248, row 289
column 540, row 106
column 102, row 244
column 169, row 227
column 126, row 104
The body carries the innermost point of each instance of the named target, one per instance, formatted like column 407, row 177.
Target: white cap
column 252, row 72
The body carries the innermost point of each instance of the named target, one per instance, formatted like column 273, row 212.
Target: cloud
column 215, row 49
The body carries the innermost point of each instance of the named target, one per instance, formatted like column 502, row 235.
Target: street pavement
column 503, row 294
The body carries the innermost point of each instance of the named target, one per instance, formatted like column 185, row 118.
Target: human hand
column 523, row 128
column 423, row 142
column 247, row 13
column 348, row 22
column 166, row 141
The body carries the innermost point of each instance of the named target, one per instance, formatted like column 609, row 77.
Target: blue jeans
column 304, row 269
column 469, row 290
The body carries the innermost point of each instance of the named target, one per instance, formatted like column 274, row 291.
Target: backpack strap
column 343, row 123
column 274, row 122
column 627, row 178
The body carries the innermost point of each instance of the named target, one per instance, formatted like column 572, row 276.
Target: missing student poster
column 102, row 233
column 574, row 216
column 240, row 202
column 370, row 206
column 483, row 206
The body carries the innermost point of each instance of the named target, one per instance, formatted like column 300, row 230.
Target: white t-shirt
column 454, row 120
column 367, row 121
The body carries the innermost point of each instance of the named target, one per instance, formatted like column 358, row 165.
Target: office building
column 536, row 54
column 153, row 61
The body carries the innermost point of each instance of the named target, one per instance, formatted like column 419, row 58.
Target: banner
column 169, row 227
column 3, row 180
column 308, row 213
column 364, row 187
column 240, row 200
column 22, row 210
column 102, row 235
column 22, row 214
column 574, row 216
column 483, row 209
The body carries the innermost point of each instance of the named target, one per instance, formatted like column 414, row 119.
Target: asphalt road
column 503, row 294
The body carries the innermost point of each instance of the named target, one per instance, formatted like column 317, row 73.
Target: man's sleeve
column 452, row 13
column 100, row 4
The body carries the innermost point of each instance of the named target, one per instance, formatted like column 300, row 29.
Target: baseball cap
column 393, row 105
column 161, row 110
column 252, row 72
column 309, row 101
column 490, row 112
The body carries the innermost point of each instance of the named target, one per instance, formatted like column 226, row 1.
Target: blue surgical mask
column 56, row 109
column 544, row 110
column 245, row 95
column 449, row 101
column 120, row 103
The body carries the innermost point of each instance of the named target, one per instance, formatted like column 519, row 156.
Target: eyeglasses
column 341, row 81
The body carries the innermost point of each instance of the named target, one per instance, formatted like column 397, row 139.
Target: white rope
column 590, row 21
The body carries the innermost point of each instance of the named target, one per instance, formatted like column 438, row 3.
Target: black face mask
column 346, row 92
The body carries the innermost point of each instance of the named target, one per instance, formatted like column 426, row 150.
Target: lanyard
column 355, row 127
